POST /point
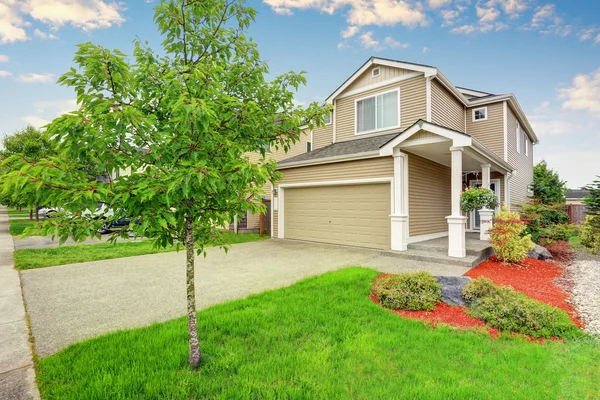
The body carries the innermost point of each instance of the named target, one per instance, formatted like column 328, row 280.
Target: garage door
column 354, row 215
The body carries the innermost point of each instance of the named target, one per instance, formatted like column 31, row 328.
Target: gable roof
column 577, row 194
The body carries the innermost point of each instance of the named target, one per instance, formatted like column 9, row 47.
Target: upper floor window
column 518, row 137
column 266, row 147
column 376, row 72
column 378, row 112
column 480, row 114
column 308, row 147
column 327, row 118
column 526, row 147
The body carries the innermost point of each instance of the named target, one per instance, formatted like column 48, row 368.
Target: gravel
column 584, row 277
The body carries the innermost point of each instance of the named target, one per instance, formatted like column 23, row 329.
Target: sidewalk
column 17, row 376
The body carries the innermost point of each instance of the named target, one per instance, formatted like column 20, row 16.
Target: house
column 575, row 196
column 398, row 149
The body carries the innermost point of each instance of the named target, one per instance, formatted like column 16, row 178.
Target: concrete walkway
column 17, row 376
column 69, row 303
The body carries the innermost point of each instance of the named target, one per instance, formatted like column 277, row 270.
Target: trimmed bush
column 506, row 237
column 506, row 309
column 589, row 234
column 409, row 291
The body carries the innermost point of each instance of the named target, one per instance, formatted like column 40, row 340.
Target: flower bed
column 532, row 277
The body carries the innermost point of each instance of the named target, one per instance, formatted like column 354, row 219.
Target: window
column 378, row 112
column 518, row 134
column 526, row 147
column 327, row 119
column 480, row 114
column 266, row 147
column 308, row 147
column 375, row 72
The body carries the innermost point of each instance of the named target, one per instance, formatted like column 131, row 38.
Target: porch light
column 274, row 191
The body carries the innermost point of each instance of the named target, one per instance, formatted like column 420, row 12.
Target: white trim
column 284, row 186
column 419, row 142
column 334, row 122
column 478, row 109
column 465, row 115
column 458, row 139
column 497, row 192
column 422, row 238
column 378, row 85
column 330, row 119
column 526, row 147
column 328, row 160
column 272, row 211
column 375, row 95
column 451, row 88
column 428, row 94
column 470, row 92
column 311, row 136
column 505, row 122
column 506, row 193
column 375, row 75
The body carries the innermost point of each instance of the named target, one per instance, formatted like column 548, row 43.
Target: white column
column 399, row 217
column 485, row 215
column 456, row 222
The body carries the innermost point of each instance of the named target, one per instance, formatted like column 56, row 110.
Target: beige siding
column 323, row 136
column 382, row 167
column 490, row 132
column 429, row 201
column 367, row 79
column 519, row 182
column 280, row 154
column 446, row 110
column 354, row 215
column 413, row 106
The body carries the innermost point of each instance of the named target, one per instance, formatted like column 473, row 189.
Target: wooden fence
column 576, row 213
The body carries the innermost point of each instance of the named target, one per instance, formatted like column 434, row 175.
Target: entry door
column 495, row 187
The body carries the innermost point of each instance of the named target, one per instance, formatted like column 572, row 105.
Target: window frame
column 330, row 119
column 375, row 75
column 526, row 147
column 309, row 143
column 518, row 136
column 375, row 95
column 478, row 109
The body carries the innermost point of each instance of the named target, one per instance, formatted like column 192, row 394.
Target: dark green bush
column 506, row 309
column 546, row 222
column 409, row 291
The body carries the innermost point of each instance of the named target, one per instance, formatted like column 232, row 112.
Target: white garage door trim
column 282, row 187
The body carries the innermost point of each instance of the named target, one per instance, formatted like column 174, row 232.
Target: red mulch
column 532, row 277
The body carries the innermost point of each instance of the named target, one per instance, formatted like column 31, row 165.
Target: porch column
column 485, row 215
column 399, row 217
column 456, row 222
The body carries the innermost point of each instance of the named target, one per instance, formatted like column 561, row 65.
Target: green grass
column 17, row 226
column 574, row 240
column 320, row 339
column 18, row 213
column 39, row 258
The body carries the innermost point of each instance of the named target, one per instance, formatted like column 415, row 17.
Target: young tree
column 592, row 201
column 547, row 186
column 181, row 120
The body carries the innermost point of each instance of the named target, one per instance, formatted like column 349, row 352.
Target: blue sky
column 546, row 53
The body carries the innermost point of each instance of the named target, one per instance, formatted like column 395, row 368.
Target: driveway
column 73, row 302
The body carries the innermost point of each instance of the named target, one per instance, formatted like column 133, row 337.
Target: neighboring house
column 575, row 196
column 389, row 167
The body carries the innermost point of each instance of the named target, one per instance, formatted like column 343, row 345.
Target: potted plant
column 484, row 200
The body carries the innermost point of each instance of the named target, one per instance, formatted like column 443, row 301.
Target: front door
column 495, row 187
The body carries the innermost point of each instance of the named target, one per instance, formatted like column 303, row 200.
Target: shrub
column 546, row 222
column 506, row 238
column 506, row 309
column 409, row 291
column 560, row 250
column 589, row 234
column 475, row 198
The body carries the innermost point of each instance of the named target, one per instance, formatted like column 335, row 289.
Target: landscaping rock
column 585, row 292
column 539, row 253
column 452, row 287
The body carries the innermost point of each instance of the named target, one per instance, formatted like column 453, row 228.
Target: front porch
column 463, row 157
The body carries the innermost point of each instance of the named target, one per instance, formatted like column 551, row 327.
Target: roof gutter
column 328, row 160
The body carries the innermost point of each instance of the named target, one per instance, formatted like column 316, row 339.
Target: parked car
column 103, row 212
column 48, row 212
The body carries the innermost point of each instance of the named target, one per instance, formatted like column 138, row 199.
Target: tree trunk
column 191, row 294
column 31, row 214
column 37, row 214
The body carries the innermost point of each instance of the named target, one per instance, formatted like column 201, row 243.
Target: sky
column 545, row 52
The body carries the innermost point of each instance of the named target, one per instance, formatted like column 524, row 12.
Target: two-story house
column 389, row 167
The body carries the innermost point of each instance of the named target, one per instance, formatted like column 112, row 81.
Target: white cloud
column 542, row 107
column 34, row 78
column 464, row 29
column 4, row 58
column 487, row 15
column 366, row 39
column 573, row 166
column 35, row 121
column 4, row 74
column 439, row 3
column 545, row 125
column 449, row 17
column 350, row 31
column 512, row 8
column 82, row 14
column 44, row 35
column 391, row 42
column 584, row 94
column 587, row 33
column 56, row 107
column 343, row 46
column 425, row 49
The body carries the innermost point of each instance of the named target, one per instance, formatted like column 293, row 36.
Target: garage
column 353, row 215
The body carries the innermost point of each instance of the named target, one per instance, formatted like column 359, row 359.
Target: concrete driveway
column 73, row 302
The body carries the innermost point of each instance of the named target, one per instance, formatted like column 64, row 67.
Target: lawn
column 39, row 258
column 18, row 213
column 17, row 226
column 322, row 338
